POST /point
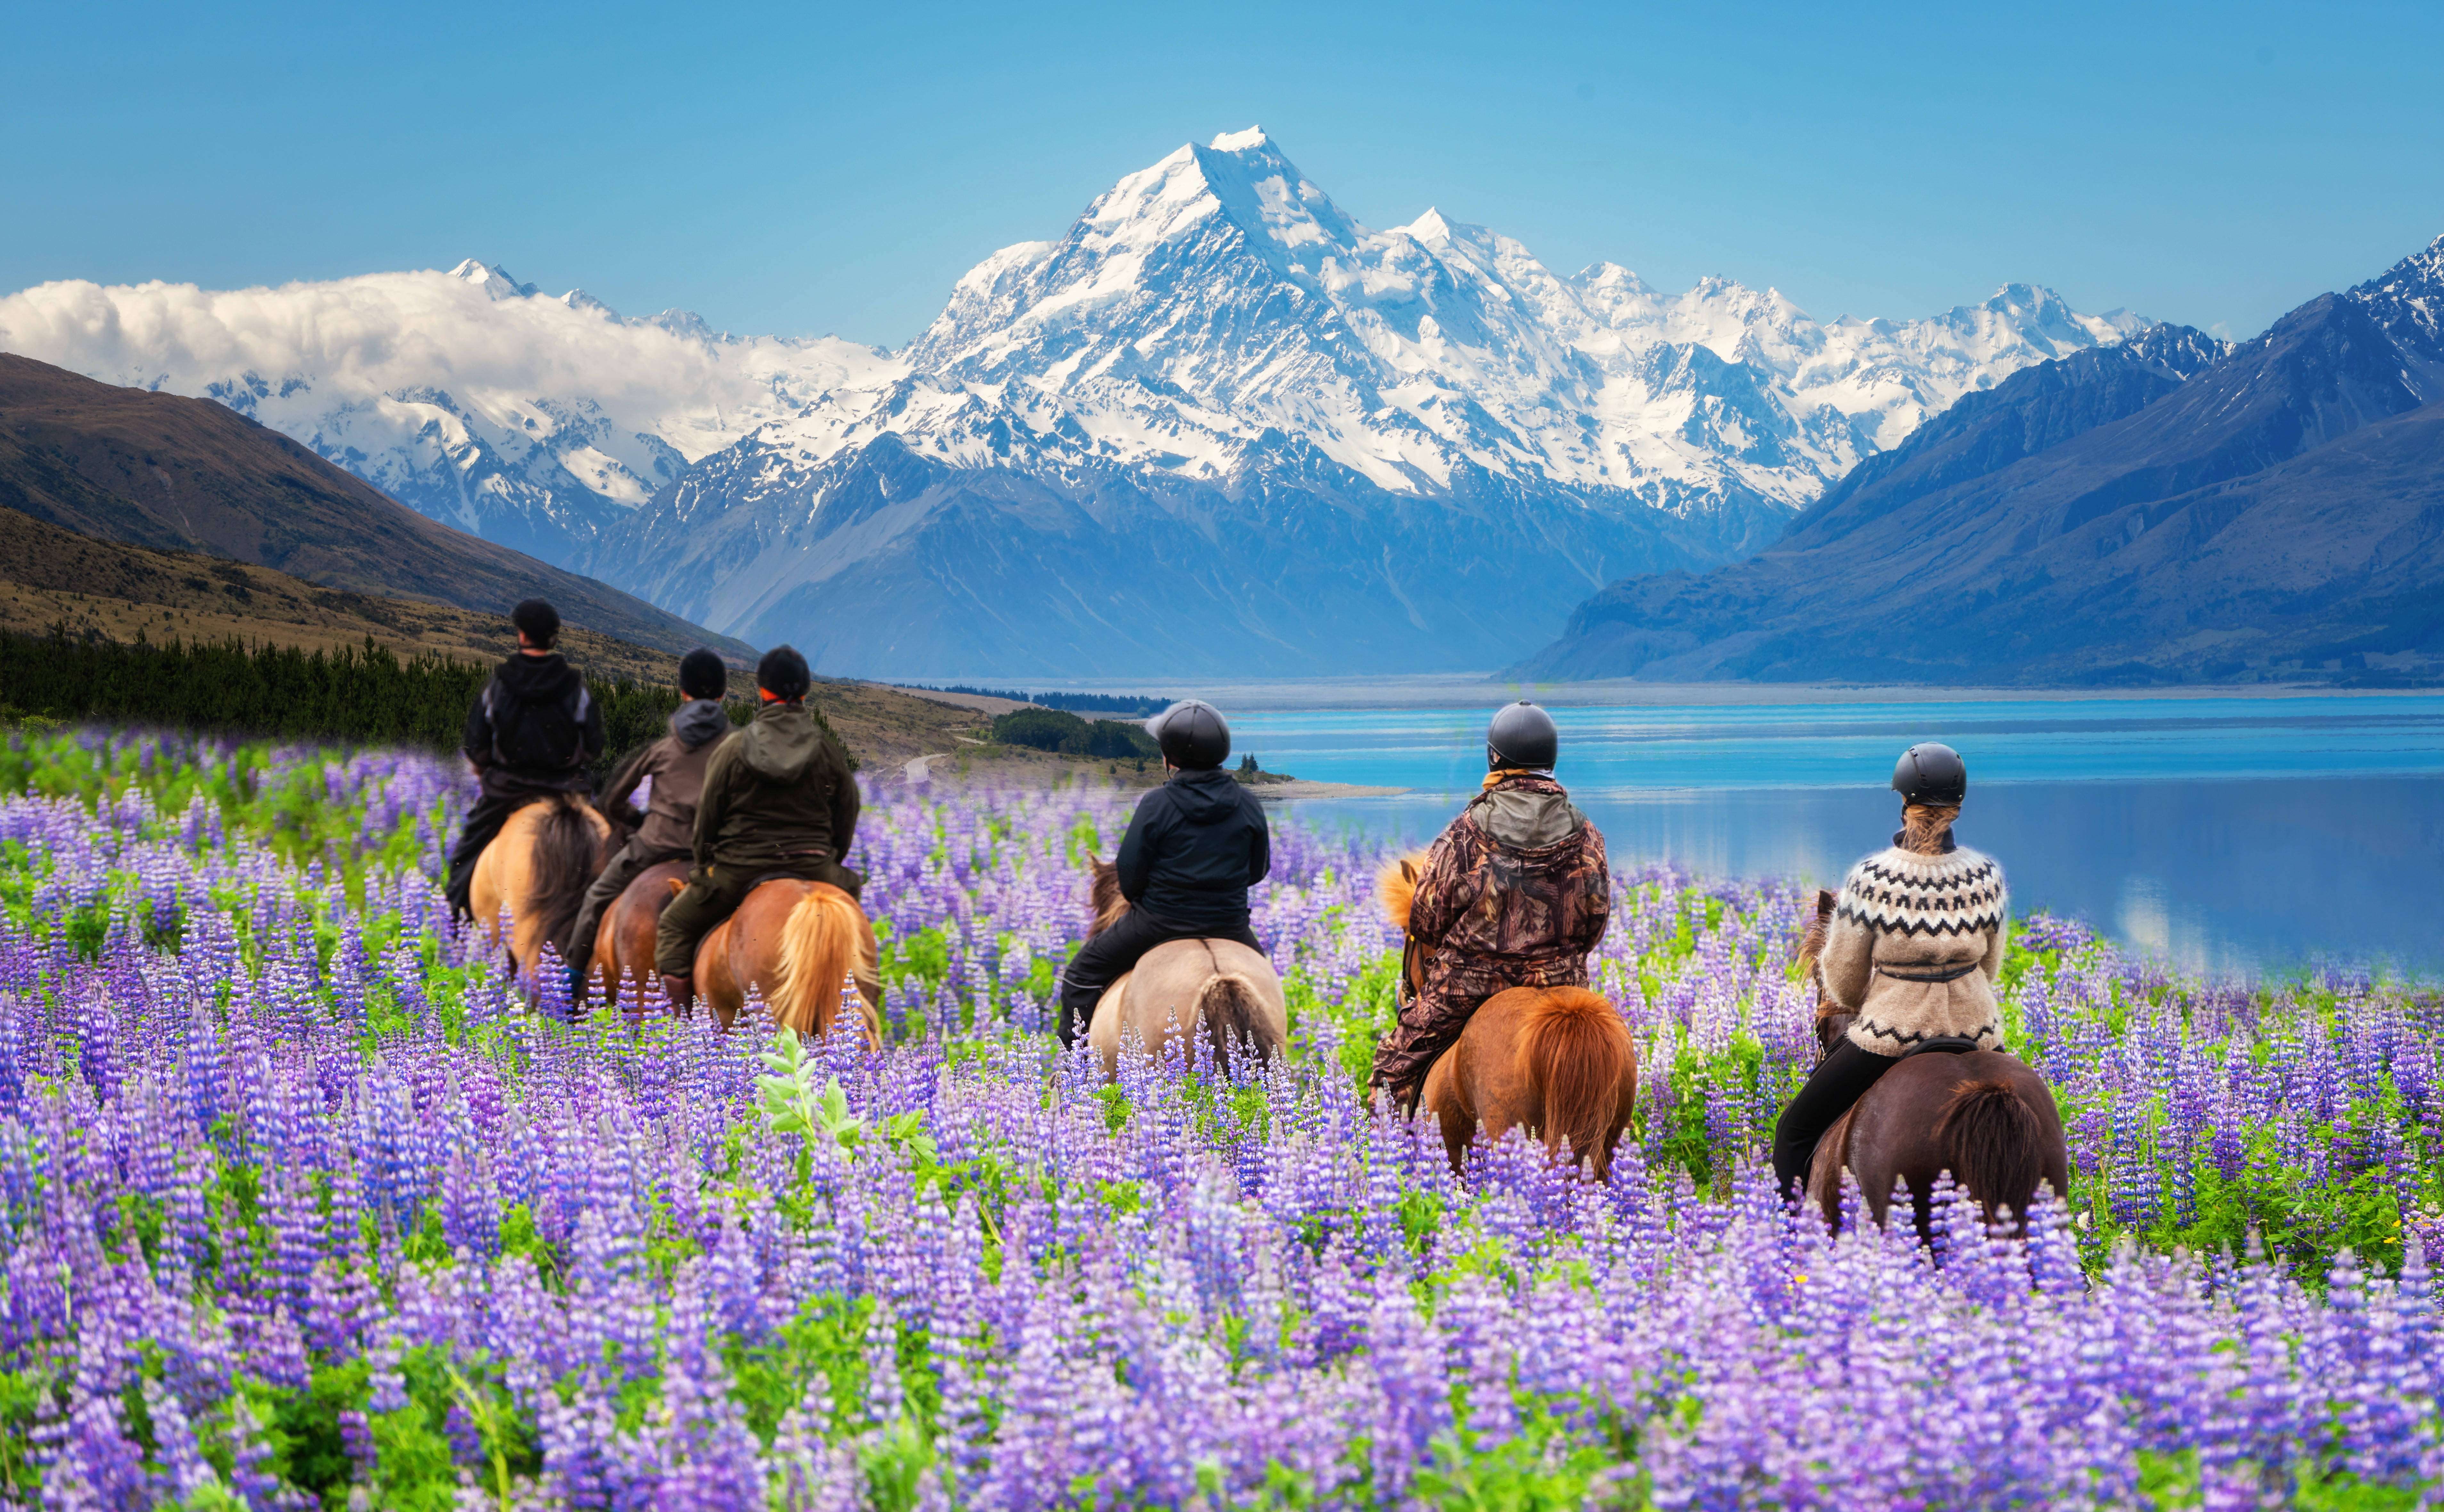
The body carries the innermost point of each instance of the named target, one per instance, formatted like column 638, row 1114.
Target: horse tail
column 1228, row 1003
column 567, row 857
column 1995, row 1145
column 818, row 945
column 1577, row 1053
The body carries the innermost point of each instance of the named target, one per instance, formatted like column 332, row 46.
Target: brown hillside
column 156, row 469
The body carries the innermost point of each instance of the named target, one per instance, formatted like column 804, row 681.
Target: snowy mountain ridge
column 1212, row 315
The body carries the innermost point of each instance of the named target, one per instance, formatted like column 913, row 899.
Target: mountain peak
column 1429, row 227
column 1251, row 139
column 491, row 278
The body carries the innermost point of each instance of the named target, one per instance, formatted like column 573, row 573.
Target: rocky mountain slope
column 159, row 471
column 1217, row 415
column 2123, row 516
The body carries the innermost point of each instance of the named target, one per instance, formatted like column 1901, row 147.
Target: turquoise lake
column 2230, row 834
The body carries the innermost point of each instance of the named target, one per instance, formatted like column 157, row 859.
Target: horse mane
column 818, row 945
column 1994, row 1146
column 1397, row 885
column 1105, row 901
column 1577, row 1050
column 568, row 856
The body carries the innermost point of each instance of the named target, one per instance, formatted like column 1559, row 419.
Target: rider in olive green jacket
column 778, row 800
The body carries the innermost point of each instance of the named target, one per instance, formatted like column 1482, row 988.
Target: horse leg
column 717, row 979
column 1447, row 1099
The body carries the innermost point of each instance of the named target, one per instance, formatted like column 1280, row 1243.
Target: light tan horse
column 1176, row 989
column 1556, row 1061
column 623, row 943
column 791, row 942
column 538, row 868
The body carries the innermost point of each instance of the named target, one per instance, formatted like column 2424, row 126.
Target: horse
column 537, row 868
column 1556, row 1061
column 1228, row 991
column 791, row 941
column 1985, row 1117
column 623, row 942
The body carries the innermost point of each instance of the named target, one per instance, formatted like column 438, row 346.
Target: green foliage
column 1053, row 730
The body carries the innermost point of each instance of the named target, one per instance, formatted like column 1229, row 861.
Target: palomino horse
column 1556, row 1061
column 537, row 868
column 1175, row 989
column 793, row 942
column 1983, row 1115
column 623, row 943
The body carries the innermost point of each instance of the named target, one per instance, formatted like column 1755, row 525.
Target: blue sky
column 807, row 168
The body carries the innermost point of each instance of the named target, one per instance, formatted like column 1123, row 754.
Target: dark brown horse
column 624, row 943
column 1985, row 1117
column 1556, row 1061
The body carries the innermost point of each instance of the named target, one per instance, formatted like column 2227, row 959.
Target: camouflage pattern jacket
column 1515, row 893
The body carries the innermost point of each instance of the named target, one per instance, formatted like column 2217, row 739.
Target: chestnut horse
column 1556, row 1061
column 1983, row 1115
column 623, row 943
column 793, row 942
column 537, row 869
column 1220, row 987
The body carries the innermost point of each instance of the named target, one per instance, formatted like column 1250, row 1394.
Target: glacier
column 1217, row 423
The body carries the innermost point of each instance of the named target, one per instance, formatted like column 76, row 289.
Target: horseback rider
column 1193, row 848
column 533, row 732
column 666, row 831
column 778, row 800
column 1514, row 893
column 1912, row 949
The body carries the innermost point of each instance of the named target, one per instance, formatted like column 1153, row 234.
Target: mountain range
column 2168, row 509
column 173, row 474
column 1217, row 425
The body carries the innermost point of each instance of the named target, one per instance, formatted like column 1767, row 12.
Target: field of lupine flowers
column 301, row 1198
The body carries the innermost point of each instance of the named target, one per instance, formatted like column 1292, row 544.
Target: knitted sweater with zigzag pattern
column 1913, row 946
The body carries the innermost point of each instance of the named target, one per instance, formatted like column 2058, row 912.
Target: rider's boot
column 681, row 991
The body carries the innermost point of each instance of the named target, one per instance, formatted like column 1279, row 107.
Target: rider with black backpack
column 534, row 732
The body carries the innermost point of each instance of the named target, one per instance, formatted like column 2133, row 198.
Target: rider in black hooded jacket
column 533, row 731
column 1197, row 843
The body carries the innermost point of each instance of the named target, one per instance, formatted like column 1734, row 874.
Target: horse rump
column 1577, row 1052
column 1228, row 1006
column 818, row 947
column 1993, row 1144
column 569, row 854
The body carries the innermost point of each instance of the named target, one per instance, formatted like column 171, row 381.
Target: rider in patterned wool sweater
column 1515, row 894
column 1913, row 946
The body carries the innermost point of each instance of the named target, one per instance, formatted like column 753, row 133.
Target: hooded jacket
column 534, row 728
column 776, row 795
column 1197, row 843
column 676, row 762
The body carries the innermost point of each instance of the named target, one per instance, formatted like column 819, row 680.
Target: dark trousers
column 1838, row 1082
column 1108, row 956
column 480, row 828
column 632, row 861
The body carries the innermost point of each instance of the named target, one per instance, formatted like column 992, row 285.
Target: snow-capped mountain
column 1214, row 345
column 467, row 395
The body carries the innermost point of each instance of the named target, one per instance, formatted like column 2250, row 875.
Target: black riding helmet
column 1931, row 773
column 1522, row 735
column 1194, row 735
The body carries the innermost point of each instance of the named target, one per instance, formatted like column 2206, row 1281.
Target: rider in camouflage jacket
column 1515, row 893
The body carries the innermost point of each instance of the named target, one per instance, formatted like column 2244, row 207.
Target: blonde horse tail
column 818, row 944
column 1577, row 1052
column 567, row 857
column 1228, row 1005
column 1396, row 886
